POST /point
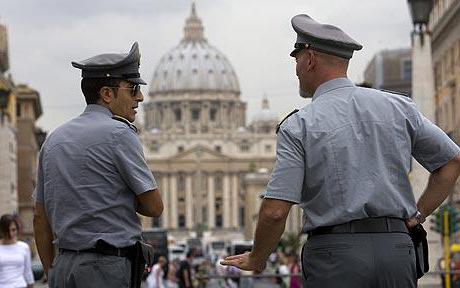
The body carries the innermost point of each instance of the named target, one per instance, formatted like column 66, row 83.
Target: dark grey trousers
column 88, row 270
column 365, row 260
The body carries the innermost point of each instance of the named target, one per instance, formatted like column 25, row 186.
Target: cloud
column 256, row 36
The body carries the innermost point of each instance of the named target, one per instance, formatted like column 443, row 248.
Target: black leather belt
column 103, row 248
column 367, row 225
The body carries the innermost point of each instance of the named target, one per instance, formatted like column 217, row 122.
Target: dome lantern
column 193, row 30
column 265, row 115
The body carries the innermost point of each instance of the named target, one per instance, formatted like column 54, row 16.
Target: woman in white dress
column 155, row 278
column 15, row 256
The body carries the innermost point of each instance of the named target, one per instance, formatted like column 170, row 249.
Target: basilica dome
column 194, row 65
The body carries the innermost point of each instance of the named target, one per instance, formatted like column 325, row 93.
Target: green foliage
column 290, row 243
column 438, row 219
column 437, row 222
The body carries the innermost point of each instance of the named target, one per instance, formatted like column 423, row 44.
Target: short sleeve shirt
column 347, row 155
column 90, row 171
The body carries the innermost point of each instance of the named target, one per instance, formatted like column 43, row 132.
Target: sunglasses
column 136, row 89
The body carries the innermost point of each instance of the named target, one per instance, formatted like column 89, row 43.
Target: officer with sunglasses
column 93, row 178
column 345, row 159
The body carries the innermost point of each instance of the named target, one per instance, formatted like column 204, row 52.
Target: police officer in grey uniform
column 345, row 160
column 93, row 178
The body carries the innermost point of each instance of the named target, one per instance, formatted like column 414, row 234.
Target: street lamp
column 4, row 97
column 420, row 11
column 423, row 95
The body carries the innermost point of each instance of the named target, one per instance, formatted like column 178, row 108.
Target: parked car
column 176, row 252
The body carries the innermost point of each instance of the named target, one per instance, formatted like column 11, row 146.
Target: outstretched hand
column 245, row 262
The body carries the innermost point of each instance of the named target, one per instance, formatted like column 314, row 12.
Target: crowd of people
column 283, row 270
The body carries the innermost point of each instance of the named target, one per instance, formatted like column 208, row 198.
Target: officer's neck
column 327, row 75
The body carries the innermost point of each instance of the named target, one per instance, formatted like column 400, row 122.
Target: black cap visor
column 298, row 47
column 134, row 78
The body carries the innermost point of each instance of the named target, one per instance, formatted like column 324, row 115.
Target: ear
column 312, row 60
column 106, row 95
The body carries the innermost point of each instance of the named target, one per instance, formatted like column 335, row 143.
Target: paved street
column 40, row 285
column 215, row 284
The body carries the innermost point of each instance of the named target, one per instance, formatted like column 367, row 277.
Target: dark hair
column 5, row 223
column 190, row 253
column 91, row 87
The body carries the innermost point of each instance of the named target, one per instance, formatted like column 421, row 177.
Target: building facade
column 445, row 44
column 29, row 140
column 197, row 142
column 8, row 159
column 4, row 59
column 434, row 69
column 390, row 70
column 8, row 156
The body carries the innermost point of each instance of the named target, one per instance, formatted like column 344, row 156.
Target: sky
column 256, row 37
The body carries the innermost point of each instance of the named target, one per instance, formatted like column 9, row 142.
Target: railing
column 218, row 276
column 266, row 280
column 262, row 280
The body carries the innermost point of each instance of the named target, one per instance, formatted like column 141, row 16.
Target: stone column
column 423, row 96
column 205, row 107
column 235, row 202
column 223, row 115
column 165, row 192
column 226, row 200
column 233, row 119
column 166, row 115
column 188, row 202
column 173, row 188
column 211, row 203
column 185, row 117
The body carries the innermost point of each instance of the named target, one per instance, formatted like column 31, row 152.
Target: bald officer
column 345, row 160
column 93, row 178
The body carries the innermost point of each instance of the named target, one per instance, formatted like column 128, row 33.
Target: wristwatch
column 419, row 216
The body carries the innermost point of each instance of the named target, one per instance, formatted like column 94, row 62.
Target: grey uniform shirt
column 347, row 155
column 90, row 171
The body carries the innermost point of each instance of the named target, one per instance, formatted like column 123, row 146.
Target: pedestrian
column 184, row 273
column 92, row 179
column 15, row 256
column 345, row 159
column 171, row 279
column 283, row 271
column 233, row 277
column 155, row 278
column 294, row 270
column 202, row 271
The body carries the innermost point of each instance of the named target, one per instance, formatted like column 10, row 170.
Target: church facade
column 199, row 147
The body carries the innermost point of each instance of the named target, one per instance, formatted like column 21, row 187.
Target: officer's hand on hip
column 245, row 262
column 411, row 222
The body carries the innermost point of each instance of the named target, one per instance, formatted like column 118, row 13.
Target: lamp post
column 420, row 12
column 4, row 97
column 422, row 68
column 423, row 95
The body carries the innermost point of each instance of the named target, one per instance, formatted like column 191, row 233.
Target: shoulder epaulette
column 279, row 124
column 121, row 119
column 395, row 92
